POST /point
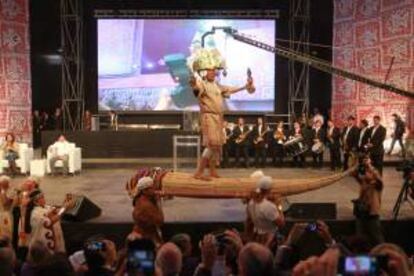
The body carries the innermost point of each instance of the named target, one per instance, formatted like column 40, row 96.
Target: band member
column 376, row 144
column 398, row 134
column 227, row 145
column 317, row 116
column 298, row 159
column 350, row 137
column 318, row 135
column 113, row 120
column 211, row 96
column 279, row 138
column 260, row 142
column 333, row 140
column 241, row 139
column 364, row 136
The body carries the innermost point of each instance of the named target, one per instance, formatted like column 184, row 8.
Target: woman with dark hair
column 11, row 152
column 43, row 222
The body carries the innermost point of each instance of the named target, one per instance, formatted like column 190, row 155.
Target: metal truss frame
column 73, row 100
column 299, row 33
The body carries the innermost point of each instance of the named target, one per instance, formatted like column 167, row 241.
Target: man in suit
column 350, row 137
column 364, row 136
column 318, row 135
column 260, row 142
column 333, row 140
column 226, row 146
column 376, row 144
column 398, row 134
column 241, row 140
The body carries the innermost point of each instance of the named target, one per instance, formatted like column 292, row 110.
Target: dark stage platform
column 119, row 144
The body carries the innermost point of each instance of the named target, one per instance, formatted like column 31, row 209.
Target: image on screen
column 142, row 63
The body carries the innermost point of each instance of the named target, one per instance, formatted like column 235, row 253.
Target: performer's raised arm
column 228, row 90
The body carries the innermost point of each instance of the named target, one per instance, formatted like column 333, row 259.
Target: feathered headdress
column 204, row 59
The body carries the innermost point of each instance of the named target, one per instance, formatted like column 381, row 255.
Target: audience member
column 100, row 255
column 59, row 152
column 255, row 259
column 169, row 260
column 11, row 152
column 189, row 262
column 7, row 261
column 38, row 254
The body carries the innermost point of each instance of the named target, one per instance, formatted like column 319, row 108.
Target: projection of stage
column 142, row 63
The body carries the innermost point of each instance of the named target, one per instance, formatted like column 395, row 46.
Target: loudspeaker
column 312, row 211
column 84, row 209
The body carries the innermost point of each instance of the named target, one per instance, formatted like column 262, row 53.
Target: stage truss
column 73, row 100
column 299, row 32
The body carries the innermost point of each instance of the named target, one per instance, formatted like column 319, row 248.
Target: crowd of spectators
column 31, row 243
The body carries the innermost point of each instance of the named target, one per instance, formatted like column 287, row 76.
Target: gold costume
column 211, row 97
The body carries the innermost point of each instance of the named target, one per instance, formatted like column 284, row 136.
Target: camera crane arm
column 319, row 64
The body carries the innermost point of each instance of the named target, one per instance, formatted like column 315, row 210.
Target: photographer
column 368, row 205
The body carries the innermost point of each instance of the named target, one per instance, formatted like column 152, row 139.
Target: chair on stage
column 74, row 162
column 23, row 162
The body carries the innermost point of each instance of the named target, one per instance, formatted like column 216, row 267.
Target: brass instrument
column 260, row 138
column 242, row 137
column 279, row 136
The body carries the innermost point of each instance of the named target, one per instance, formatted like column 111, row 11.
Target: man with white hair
column 6, row 202
column 263, row 216
column 147, row 214
column 169, row 259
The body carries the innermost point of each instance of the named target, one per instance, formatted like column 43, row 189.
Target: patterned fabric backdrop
column 367, row 34
column 15, row 91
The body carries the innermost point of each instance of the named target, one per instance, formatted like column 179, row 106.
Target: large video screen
column 142, row 64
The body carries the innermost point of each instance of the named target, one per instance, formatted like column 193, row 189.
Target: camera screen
column 141, row 260
column 360, row 264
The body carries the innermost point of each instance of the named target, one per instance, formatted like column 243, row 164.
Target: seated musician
column 260, row 142
column 318, row 136
column 299, row 154
column 226, row 146
column 241, row 141
column 279, row 138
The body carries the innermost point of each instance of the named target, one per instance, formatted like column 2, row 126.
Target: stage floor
column 105, row 187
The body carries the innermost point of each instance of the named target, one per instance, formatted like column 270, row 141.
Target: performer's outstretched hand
column 250, row 85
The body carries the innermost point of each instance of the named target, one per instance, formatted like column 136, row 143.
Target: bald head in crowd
column 169, row 259
column 255, row 259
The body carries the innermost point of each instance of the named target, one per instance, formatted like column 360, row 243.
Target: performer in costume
column 43, row 222
column 210, row 95
column 6, row 200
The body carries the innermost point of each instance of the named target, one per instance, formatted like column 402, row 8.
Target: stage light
column 149, row 65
